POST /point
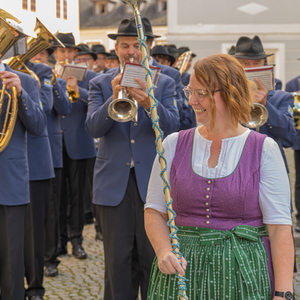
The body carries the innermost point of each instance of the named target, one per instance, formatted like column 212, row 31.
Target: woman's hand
column 168, row 263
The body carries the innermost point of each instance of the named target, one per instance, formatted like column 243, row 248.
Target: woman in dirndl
column 231, row 196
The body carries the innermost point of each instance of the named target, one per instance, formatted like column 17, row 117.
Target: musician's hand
column 72, row 82
column 11, row 79
column 169, row 264
column 261, row 94
column 140, row 95
column 116, row 87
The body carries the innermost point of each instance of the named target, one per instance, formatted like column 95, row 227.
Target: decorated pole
column 135, row 4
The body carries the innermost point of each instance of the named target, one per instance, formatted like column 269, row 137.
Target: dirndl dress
column 220, row 230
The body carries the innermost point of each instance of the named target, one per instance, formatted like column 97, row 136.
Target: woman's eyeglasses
column 198, row 93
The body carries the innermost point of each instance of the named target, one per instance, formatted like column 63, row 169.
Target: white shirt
column 274, row 188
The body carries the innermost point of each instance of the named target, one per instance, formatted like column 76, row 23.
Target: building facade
column 208, row 27
column 56, row 15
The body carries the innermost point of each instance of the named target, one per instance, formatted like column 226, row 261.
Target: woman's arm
column 158, row 233
column 282, row 251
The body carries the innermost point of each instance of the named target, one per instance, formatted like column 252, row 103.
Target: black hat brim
column 66, row 46
column 94, row 55
column 251, row 57
column 114, row 36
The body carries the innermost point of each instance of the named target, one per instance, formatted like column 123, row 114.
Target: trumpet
column 59, row 67
column 259, row 116
column 296, row 110
column 125, row 108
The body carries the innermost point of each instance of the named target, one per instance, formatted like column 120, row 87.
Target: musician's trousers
column 297, row 182
column 127, row 250
column 71, row 200
column 34, row 238
column 12, row 220
column 52, row 226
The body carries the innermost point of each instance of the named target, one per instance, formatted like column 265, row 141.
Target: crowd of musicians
column 68, row 163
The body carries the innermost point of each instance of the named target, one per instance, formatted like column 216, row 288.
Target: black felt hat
column 84, row 49
column 161, row 50
column 172, row 49
column 184, row 49
column 127, row 27
column 232, row 50
column 99, row 49
column 67, row 39
column 50, row 50
column 247, row 48
column 112, row 54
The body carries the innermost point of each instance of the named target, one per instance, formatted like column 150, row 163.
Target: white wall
column 46, row 12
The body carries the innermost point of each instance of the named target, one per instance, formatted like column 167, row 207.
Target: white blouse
column 274, row 188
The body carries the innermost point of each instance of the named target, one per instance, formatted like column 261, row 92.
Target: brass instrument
column 259, row 116
column 8, row 37
column 73, row 95
column 12, row 111
column 44, row 40
column 125, row 108
column 182, row 62
column 296, row 110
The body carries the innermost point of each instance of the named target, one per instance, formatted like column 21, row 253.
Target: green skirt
column 221, row 265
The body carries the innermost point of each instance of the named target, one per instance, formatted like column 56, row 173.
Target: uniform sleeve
column 274, row 188
column 62, row 104
column 155, row 196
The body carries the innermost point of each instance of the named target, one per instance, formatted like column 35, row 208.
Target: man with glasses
column 85, row 56
column 100, row 63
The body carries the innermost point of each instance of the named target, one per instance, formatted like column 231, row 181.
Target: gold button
column 206, row 203
column 63, row 117
column 207, row 196
column 208, row 189
column 207, row 222
column 209, row 182
column 132, row 141
column 127, row 164
column 207, row 209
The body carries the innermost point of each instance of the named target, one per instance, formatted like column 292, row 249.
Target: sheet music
column 265, row 74
column 135, row 70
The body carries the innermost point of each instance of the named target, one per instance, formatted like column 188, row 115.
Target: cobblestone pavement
column 84, row 279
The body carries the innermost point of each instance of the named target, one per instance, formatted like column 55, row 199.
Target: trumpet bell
column 122, row 110
column 259, row 116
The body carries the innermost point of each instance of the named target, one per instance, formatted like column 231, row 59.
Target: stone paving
column 84, row 279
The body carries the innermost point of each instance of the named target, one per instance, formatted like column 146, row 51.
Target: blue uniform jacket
column 79, row 144
column 61, row 107
column 294, row 86
column 14, row 172
column 39, row 151
column 119, row 142
column 278, row 84
column 280, row 124
column 183, row 108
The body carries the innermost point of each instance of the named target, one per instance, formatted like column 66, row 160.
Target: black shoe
column 297, row 227
column 51, row 271
column 62, row 250
column 36, row 297
column 98, row 236
column 79, row 252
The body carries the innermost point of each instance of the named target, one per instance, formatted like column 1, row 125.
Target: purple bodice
column 217, row 203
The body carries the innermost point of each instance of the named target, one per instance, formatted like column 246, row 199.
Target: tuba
column 9, row 109
column 125, row 108
column 44, row 40
column 183, row 61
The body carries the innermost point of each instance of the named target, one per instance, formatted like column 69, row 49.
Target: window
column 25, row 4
column 100, row 8
column 58, row 9
column 33, row 5
column 65, row 10
column 162, row 5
